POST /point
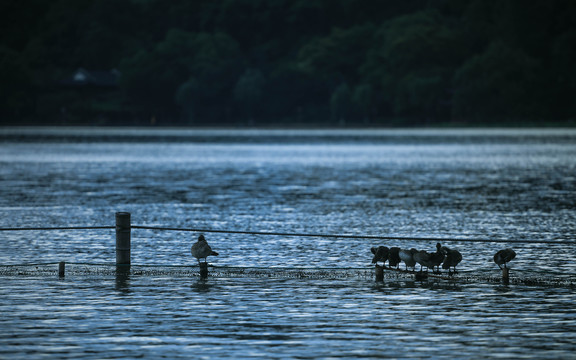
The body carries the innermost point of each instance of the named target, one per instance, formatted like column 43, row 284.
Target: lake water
column 311, row 297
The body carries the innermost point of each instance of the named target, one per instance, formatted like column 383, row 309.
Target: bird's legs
column 453, row 272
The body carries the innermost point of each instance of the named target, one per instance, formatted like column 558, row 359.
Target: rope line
column 59, row 228
column 527, row 277
column 30, row 264
column 211, row 266
column 271, row 233
column 479, row 272
column 348, row 236
column 268, row 268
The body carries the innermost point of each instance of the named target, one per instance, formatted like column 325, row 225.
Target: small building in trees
column 91, row 97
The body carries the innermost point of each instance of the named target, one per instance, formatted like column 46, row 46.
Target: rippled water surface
column 517, row 186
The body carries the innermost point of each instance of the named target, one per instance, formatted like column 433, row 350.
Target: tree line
column 291, row 62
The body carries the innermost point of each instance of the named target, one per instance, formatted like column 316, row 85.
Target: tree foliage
column 503, row 78
column 322, row 62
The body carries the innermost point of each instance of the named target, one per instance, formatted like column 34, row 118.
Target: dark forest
column 288, row 63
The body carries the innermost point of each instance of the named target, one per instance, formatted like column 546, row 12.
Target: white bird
column 408, row 257
column 201, row 249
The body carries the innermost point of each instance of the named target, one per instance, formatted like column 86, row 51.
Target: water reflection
column 123, row 279
column 286, row 318
column 414, row 284
column 202, row 285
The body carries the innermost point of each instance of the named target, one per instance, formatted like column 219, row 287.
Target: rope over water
column 82, row 269
column 351, row 236
column 272, row 233
column 57, row 228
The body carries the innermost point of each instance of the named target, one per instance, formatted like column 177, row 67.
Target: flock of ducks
column 443, row 257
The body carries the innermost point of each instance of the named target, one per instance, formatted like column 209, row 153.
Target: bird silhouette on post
column 504, row 256
column 436, row 258
column 201, row 249
column 380, row 254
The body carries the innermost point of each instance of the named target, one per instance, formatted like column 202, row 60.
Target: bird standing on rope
column 394, row 257
column 436, row 258
column 201, row 249
column 422, row 257
column 504, row 256
column 408, row 257
column 453, row 258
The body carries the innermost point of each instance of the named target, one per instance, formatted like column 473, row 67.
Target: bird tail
column 214, row 253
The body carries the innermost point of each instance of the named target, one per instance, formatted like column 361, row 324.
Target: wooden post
column 62, row 269
column 203, row 270
column 379, row 273
column 123, row 238
column 505, row 275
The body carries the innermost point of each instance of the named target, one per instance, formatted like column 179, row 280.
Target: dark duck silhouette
column 201, row 249
column 394, row 257
column 504, row 256
column 436, row 259
column 408, row 257
column 453, row 258
column 380, row 254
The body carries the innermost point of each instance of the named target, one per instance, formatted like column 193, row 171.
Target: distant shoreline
column 280, row 135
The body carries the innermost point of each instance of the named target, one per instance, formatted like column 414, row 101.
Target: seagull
column 380, row 254
column 437, row 258
column 504, row 256
column 453, row 258
column 201, row 249
column 394, row 257
column 408, row 257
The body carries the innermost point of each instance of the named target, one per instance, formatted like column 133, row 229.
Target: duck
column 394, row 257
column 453, row 258
column 380, row 254
column 422, row 257
column 201, row 249
column 436, row 258
column 408, row 257
column 504, row 256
